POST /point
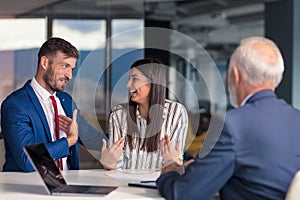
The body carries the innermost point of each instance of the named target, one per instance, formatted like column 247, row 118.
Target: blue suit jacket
column 255, row 157
column 23, row 122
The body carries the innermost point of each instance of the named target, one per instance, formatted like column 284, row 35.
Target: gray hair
column 259, row 60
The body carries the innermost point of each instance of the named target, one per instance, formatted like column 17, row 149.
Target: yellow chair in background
column 197, row 130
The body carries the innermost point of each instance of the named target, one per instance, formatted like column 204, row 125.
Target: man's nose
column 69, row 74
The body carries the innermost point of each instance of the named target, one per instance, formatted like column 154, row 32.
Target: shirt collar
column 40, row 91
column 246, row 99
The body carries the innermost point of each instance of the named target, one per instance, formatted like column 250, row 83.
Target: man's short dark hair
column 53, row 45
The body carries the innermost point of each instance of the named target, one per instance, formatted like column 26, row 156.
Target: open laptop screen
column 51, row 176
column 45, row 165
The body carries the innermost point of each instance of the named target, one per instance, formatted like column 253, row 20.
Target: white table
column 23, row 186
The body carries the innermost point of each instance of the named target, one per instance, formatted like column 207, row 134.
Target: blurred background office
column 193, row 37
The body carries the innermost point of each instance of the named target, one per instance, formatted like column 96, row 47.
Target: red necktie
column 56, row 127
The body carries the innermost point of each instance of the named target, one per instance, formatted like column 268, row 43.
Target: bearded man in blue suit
column 257, row 152
column 27, row 115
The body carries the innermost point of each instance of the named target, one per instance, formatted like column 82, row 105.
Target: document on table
column 132, row 175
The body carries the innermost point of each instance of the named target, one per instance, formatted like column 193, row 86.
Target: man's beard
column 50, row 80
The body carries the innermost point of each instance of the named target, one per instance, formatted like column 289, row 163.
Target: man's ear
column 236, row 75
column 44, row 62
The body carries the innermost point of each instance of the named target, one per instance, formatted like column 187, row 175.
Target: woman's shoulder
column 174, row 106
column 171, row 103
column 119, row 108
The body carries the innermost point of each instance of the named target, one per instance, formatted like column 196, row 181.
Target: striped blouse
column 175, row 122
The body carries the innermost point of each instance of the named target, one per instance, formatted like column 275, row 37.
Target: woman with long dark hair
column 137, row 128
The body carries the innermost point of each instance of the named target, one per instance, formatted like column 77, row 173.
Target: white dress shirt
column 44, row 98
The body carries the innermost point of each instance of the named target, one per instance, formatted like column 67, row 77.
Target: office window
column 87, row 84
column 19, row 43
column 127, row 43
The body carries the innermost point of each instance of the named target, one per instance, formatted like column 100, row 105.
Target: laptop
column 54, row 182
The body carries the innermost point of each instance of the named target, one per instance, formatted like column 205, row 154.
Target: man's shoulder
column 263, row 107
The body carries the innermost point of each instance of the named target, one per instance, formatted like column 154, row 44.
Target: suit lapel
column 67, row 106
column 36, row 103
